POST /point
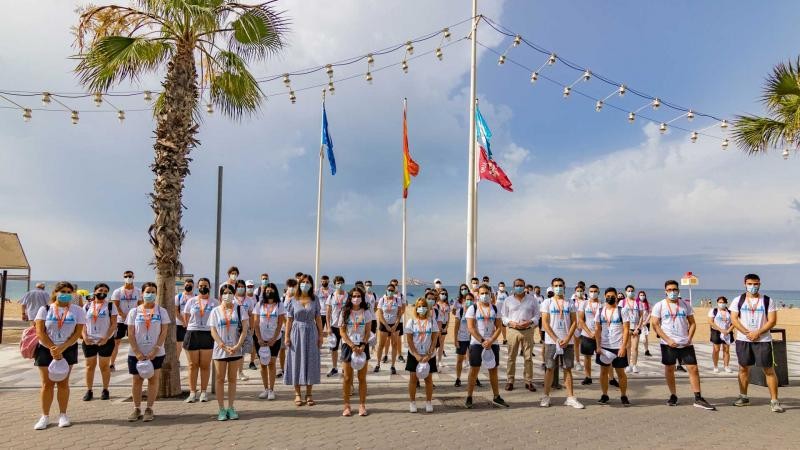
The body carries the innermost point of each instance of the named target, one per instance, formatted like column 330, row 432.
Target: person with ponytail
column 270, row 316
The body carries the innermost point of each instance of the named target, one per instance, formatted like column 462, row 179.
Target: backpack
column 741, row 303
column 29, row 340
column 239, row 312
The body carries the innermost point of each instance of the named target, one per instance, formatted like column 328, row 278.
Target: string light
column 662, row 128
column 370, row 60
column 98, row 99
column 552, row 59
column 631, row 117
column 446, row 32
column 502, row 60
column 785, row 153
column 210, row 108
column 598, row 106
column 534, row 76
column 567, row 91
column 331, row 88
column 587, row 75
column 148, row 96
column 368, row 77
column 121, row 116
column 292, row 97
column 46, row 98
column 26, row 114
column 690, row 115
column 693, row 138
column 656, row 103
column 517, row 40
column 286, row 81
column 725, row 144
column 404, row 66
column 439, row 54
column 409, row 48
column 723, row 124
column 74, row 117
column 621, row 90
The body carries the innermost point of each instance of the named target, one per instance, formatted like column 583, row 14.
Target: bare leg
column 493, row 381
column 428, row 387
column 412, row 386
column 91, row 363
column 205, row 368
column 136, row 391
column 623, row 381
column 233, row 368
column 63, row 393
column 116, row 350
column 473, row 375
column 744, row 379
column 265, row 372
column 271, row 370
column 548, row 380
column 219, row 383
column 726, row 355
column 587, row 366
column 105, row 371
column 772, row 382
column 459, row 365
column 634, row 349
column 395, row 346
column 568, row 381
column 715, row 355
column 669, row 375
column 152, row 388
column 362, row 385
column 282, row 356
column 604, row 371
column 46, row 393
column 694, row 377
column 194, row 367
column 347, row 383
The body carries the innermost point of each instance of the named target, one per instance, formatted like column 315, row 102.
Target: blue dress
column 303, row 357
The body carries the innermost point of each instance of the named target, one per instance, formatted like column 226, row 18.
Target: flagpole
column 472, row 199
column 403, row 265
column 319, row 205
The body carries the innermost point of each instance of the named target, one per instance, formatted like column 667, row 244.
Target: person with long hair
column 180, row 302
column 148, row 325
column 230, row 326
column 355, row 324
column 390, row 324
column 721, row 335
column 443, row 308
column 633, row 304
column 461, row 331
column 485, row 328
column 334, row 305
column 646, row 329
column 288, row 294
column 303, row 340
column 422, row 333
column 98, row 339
column 198, row 342
column 247, row 303
column 58, row 327
column 270, row 316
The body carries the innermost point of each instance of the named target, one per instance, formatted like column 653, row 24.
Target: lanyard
column 608, row 317
column 753, row 306
column 95, row 311
column 148, row 317
column 127, row 295
column 485, row 316
column 202, row 307
column 675, row 316
column 267, row 311
column 60, row 318
column 228, row 316
column 421, row 332
column 339, row 299
column 560, row 308
column 358, row 318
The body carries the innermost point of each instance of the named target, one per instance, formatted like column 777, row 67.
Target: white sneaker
column 716, row 370
column 243, row 377
column 63, row 421
column 271, row 395
column 412, row 407
column 628, row 369
column 42, row 424
column 635, row 369
column 192, row 397
column 545, row 402
column 203, row 396
column 728, row 370
column 572, row 401
column 579, row 367
column 264, row 394
column 428, row 407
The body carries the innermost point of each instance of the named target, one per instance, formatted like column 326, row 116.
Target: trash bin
column 780, row 358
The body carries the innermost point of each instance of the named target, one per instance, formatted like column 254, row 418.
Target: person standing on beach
column 247, row 303
column 461, row 330
column 252, row 300
column 303, row 341
column 673, row 321
column 646, row 322
column 124, row 298
column 334, row 305
column 578, row 298
column 754, row 315
column 422, row 331
column 32, row 301
column 443, row 312
column 198, row 342
column 372, row 301
column 587, row 316
column 559, row 322
column 520, row 314
column 611, row 334
column 98, row 339
column 721, row 334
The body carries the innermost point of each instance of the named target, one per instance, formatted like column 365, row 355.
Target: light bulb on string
column 567, row 91
column 121, row 116
column 587, row 74
column 446, row 33
column 534, row 77
column 26, row 114
column 552, row 59
column 148, row 96
column 286, row 80
column 693, row 137
column 46, row 98
column 725, row 144
column 656, row 103
column 723, row 124
column 98, row 99
column 631, row 117
column 210, row 108
column 409, row 48
column 501, row 60
column 690, row 115
column 622, row 90
column 329, row 70
column 598, row 106
column 517, row 40
column 331, row 88
column 662, row 128
column 370, row 59
column 439, row 54
column 368, row 77
column 74, row 117
column 292, row 97
column 404, row 66
column 785, row 153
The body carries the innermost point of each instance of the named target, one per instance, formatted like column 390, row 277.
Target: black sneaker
column 279, row 374
column 700, row 402
column 603, row 399
column 394, row 371
column 680, row 368
column 625, row 401
column 400, row 358
column 647, row 353
column 478, row 383
column 468, row 403
column 673, row 400
column 586, row 381
column 112, row 368
column 88, row 395
column 458, row 383
column 105, row 395
column 252, row 365
column 332, row 372
column 377, row 368
column 385, row 359
column 614, row 382
column 444, row 354
column 498, row 401
column 418, row 385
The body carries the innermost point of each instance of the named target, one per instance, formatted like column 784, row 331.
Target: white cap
column 550, row 289
column 437, row 281
column 249, row 283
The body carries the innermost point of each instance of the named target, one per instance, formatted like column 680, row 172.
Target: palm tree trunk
column 175, row 131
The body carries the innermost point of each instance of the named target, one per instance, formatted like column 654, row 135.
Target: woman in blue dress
column 303, row 340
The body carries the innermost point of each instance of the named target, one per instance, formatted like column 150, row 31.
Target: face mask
column 469, row 303
column 629, row 294
column 128, row 280
column 249, row 291
column 64, row 298
column 474, row 285
column 642, row 297
column 422, row 310
column 753, row 288
column 149, row 297
column 324, row 284
column 485, row 298
column 369, row 288
column 265, row 282
column 464, row 291
column 431, row 303
column 100, row 295
column 356, row 301
column 305, row 287
column 390, row 293
column 672, row 295
column 558, row 290
column 188, row 288
column 240, row 291
column 227, row 298
column 233, row 276
column 722, row 305
column 579, row 294
column 611, row 300
column 338, row 286
column 593, row 295
column 519, row 289
column 438, row 285
column 203, row 290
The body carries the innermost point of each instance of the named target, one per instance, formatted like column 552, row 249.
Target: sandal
column 346, row 412
column 362, row 410
column 298, row 401
column 310, row 401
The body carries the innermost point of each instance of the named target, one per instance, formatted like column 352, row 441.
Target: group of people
column 289, row 327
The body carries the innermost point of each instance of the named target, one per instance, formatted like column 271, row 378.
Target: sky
column 595, row 197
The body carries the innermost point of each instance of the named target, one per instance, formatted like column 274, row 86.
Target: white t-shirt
column 390, row 308
column 372, row 300
column 268, row 318
column 752, row 317
column 674, row 320
column 33, row 300
column 500, row 299
column 146, row 338
column 324, row 294
column 559, row 318
column 722, row 319
column 180, row 301
column 248, row 304
column 444, row 312
column 198, row 321
column 484, row 321
column 357, row 324
column 69, row 317
column 612, row 324
column 98, row 319
column 336, row 301
column 463, row 329
column 421, row 332
column 590, row 310
column 127, row 300
column 227, row 328
column 635, row 309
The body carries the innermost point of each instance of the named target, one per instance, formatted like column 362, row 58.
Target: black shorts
column 670, row 356
column 383, row 329
column 617, row 363
column 462, row 347
column 180, row 333
column 90, row 351
column 475, row 352
column 273, row 350
column 229, row 359
column 716, row 337
column 443, row 332
column 43, row 358
column 198, row 340
column 541, row 331
column 158, row 361
column 122, row 331
column 324, row 321
column 374, row 326
column 757, row 354
column 411, row 364
column 336, row 332
column 347, row 353
column 588, row 346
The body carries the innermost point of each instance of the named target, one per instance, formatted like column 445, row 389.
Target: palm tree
column 781, row 97
column 218, row 39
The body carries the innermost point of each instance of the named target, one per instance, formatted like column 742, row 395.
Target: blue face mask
column 338, row 286
column 469, row 303
column 150, row 297
column 464, row 291
column 265, row 282
column 430, row 303
column 673, row 295
column 422, row 310
column 390, row 293
column 558, row 290
column 305, row 287
column 240, row 291
column 519, row 289
column 753, row 288
column 64, row 298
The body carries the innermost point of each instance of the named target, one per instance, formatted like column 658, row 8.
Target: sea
column 16, row 289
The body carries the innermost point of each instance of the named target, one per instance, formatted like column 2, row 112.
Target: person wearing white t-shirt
column 611, row 334
column 244, row 298
column 579, row 297
column 33, row 300
column 181, row 299
column 721, row 334
column 633, row 303
column 148, row 326
column 559, row 323
column 754, row 315
column 58, row 327
column 356, row 327
column 252, row 300
column 323, row 293
column 587, row 315
column 334, row 305
column 372, row 300
column 230, row 326
column 421, row 331
column 673, row 321
column 270, row 315
column 390, row 314
column 124, row 298
column 461, row 330
column 98, row 339
column 443, row 308
column 499, row 299
column 198, row 342
column 485, row 325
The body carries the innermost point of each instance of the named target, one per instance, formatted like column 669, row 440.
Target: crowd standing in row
column 290, row 330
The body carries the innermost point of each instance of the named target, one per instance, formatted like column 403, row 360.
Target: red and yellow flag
column 410, row 167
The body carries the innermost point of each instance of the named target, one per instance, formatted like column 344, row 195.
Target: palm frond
column 258, row 33
column 755, row 134
column 233, row 88
column 782, row 87
column 115, row 58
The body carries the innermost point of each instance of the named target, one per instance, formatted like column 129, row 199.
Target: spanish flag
column 410, row 167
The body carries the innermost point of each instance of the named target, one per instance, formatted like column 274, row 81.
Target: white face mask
column 233, row 277
column 485, row 298
column 227, row 298
column 128, row 280
column 593, row 295
column 438, row 285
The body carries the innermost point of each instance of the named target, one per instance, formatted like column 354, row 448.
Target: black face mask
column 611, row 300
column 203, row 290
column 188, row 288
column 101, row 295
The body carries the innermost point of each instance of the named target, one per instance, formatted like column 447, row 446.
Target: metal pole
column 3, row 279
column 403, row 264
column 216, row 257
column 472, row 167
column 319, row 206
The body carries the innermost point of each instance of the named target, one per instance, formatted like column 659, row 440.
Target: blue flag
column 484, row 134
column 327, row 142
